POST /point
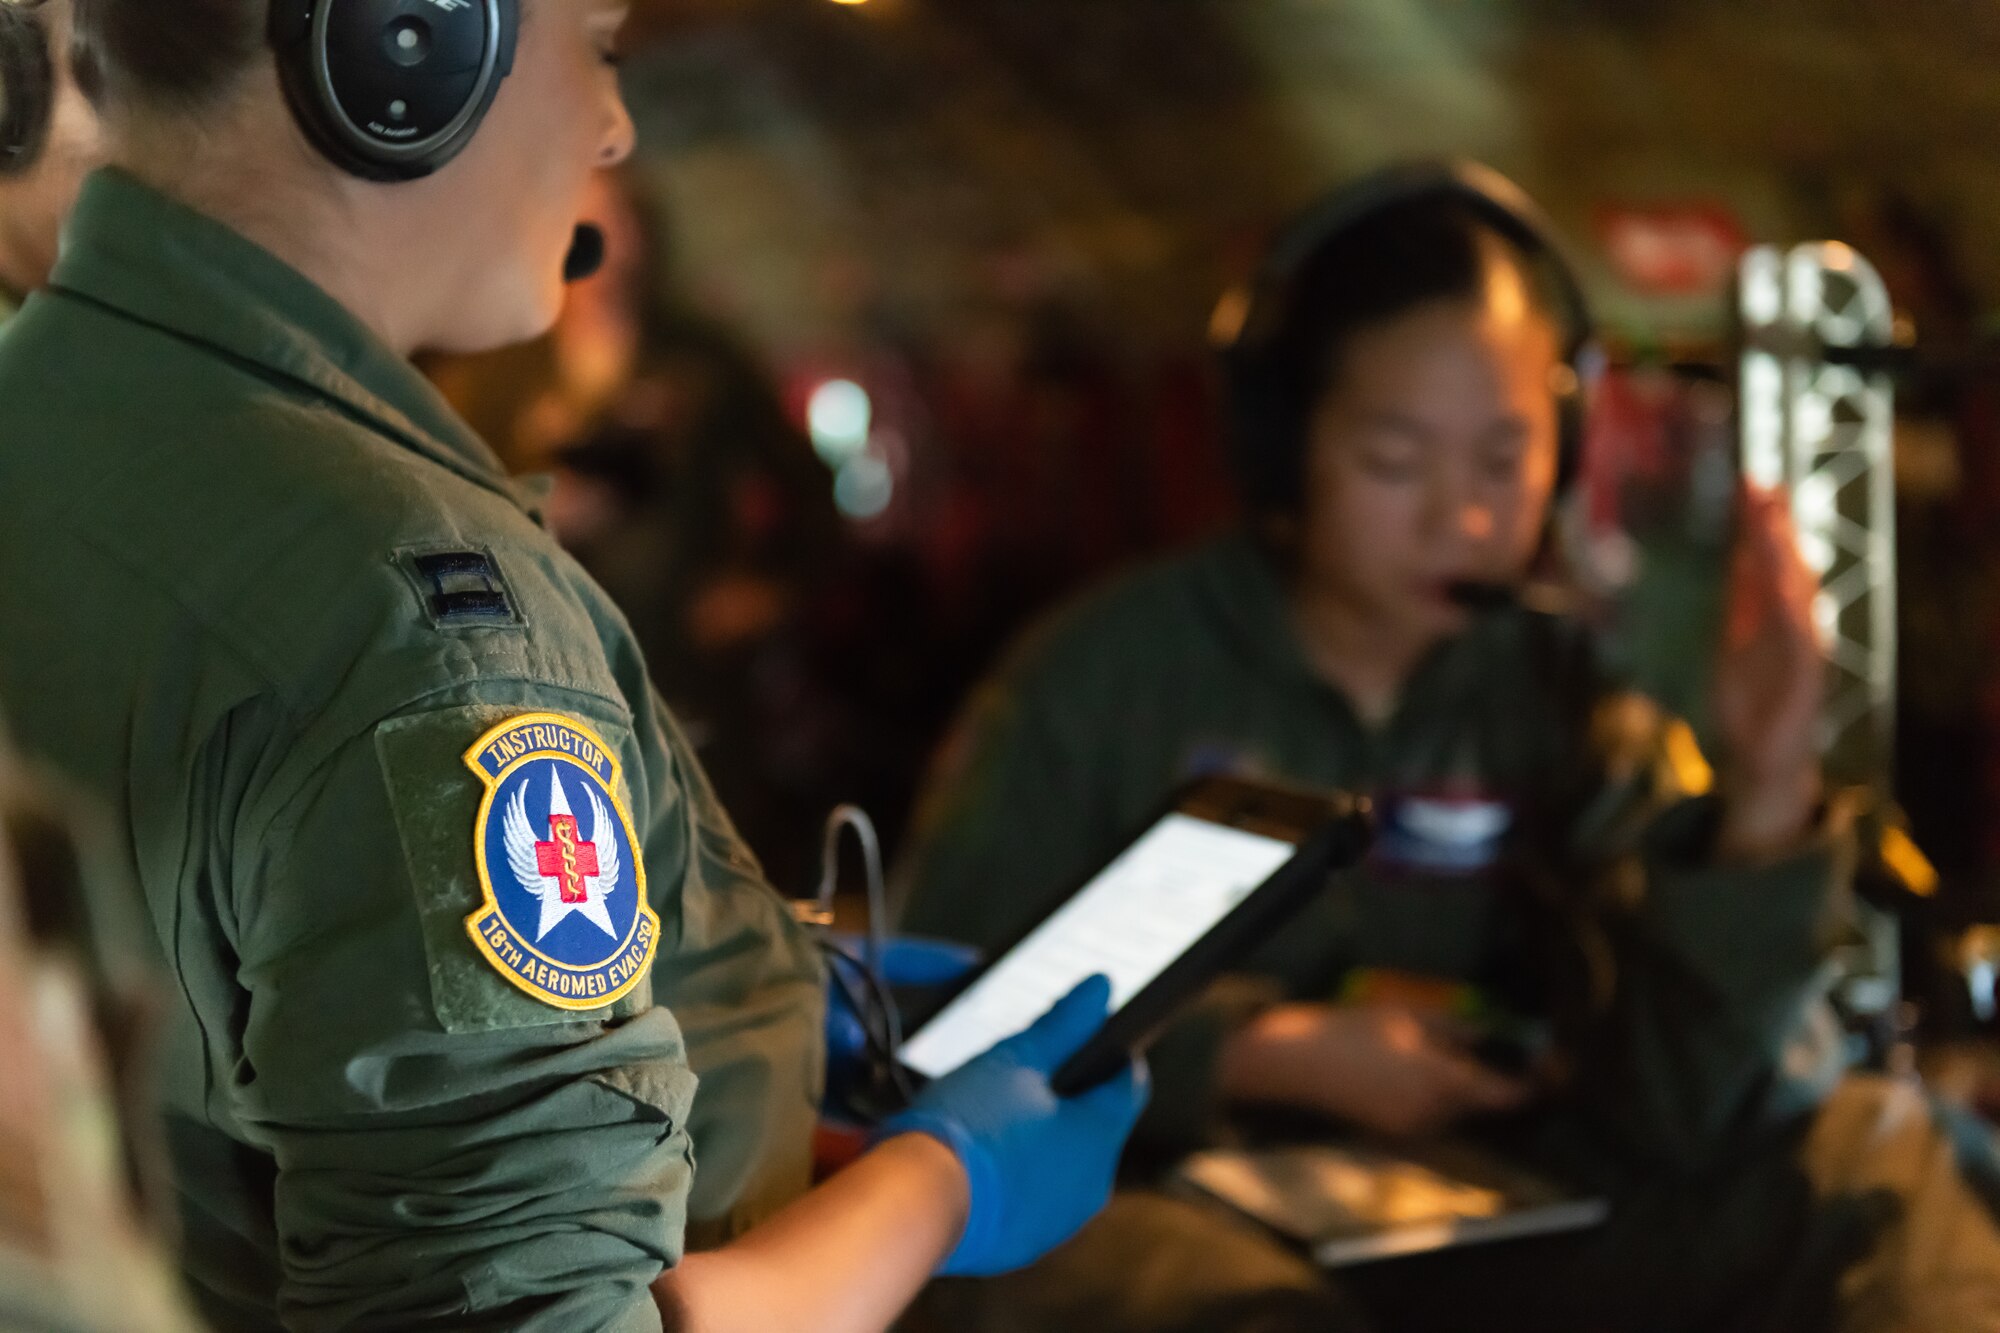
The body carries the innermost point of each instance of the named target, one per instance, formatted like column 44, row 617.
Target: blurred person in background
column 83, row 1247
column 49, row 140
column 1556, row 858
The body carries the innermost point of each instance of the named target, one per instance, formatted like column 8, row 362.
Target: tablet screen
column 1147, row 908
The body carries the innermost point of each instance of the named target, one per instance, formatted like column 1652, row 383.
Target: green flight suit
column 221, row 487
column 1685, row 993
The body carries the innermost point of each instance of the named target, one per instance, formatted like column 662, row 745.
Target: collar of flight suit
column 134, row 251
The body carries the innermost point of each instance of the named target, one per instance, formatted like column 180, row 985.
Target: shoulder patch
column 565, row 916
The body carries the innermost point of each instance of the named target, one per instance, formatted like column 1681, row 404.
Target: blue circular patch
column 566, row 917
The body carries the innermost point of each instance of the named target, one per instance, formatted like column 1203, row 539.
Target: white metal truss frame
column 1821, row 425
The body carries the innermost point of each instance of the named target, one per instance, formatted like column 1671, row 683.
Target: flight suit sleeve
column 1710, row 975
column 746, row 986
column 450, row 1150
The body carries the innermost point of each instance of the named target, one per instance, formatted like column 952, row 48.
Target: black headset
column 27, row 88
column 1251, row 321
column 391, row 90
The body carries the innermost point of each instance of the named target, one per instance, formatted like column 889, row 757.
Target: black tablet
column 1225, row 863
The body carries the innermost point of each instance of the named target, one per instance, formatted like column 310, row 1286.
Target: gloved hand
column 1040, row 1166
column 908, row 961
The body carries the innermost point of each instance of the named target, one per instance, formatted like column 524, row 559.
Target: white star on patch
column 565, row 873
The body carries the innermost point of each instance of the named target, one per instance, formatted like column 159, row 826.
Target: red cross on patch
column 567, row 860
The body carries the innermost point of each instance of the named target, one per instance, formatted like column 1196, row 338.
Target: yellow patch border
column 644, row 922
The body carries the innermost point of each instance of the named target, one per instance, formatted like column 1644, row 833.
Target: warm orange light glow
column 1902, row 855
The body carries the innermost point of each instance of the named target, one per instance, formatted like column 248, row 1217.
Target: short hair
column 179, row 54
column 1368, row 273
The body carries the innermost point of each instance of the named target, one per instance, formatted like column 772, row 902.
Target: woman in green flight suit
column 1554, row 853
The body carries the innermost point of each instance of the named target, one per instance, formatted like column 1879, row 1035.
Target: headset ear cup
column 334, row 54
column 1570, row 425
column 290, row 38
column 1257, row 413
column 290, row 24
column 1569, row 447
column 1585, row 363
column 509, row 37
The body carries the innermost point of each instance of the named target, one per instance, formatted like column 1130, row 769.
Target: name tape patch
column 566, row 917
column 1445, row 835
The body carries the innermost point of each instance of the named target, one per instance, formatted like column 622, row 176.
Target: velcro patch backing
column 437, row 801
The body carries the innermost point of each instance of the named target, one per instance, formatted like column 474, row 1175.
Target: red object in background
column 1625, row 441
column 1672, row 249
column 836, row 1144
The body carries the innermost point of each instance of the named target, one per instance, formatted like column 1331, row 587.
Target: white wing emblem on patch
column 565, row 873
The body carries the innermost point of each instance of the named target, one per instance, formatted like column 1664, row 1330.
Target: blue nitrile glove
column 1040, row 1166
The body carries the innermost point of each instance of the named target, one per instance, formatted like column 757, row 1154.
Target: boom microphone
column 1481, row 597
column 1477, row 595
column 586, row 252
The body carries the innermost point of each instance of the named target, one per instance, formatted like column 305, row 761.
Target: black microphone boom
column 1484, row 598
column 1479, row 595
column 586, row 253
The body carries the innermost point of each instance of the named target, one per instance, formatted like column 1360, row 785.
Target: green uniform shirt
column 1536, row 842
column 264, row 591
